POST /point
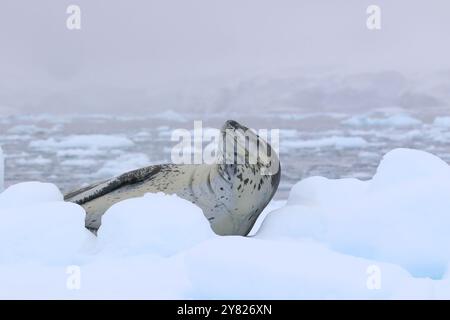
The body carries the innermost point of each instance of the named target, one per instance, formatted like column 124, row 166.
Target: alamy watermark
column 73, row 281
column 73, row 21
column 374, row 277
column 373, row 21
column 231, row 145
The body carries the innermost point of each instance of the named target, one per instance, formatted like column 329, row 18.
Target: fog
column 140, row 56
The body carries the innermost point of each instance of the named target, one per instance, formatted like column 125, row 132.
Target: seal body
column 231, row 195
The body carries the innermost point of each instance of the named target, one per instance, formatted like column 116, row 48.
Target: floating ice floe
column 95, row 141
column 383, row 238
column 31, row 129
column 170, row 115
column 334, row 141
column 37, row 161
column 398, row 120
column 79, row 153
column 123, row 163
column 442, row 122
column 79, row 162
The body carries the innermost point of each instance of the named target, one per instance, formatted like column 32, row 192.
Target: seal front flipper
column 100, row 193
column 96, row 190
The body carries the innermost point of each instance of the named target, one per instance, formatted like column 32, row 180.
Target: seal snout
column 231, row 124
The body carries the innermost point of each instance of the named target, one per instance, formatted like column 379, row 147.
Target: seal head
column 250, row 174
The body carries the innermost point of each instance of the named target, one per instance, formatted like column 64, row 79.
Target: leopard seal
column 231, row 194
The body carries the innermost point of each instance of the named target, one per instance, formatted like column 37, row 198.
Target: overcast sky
column 143, row 46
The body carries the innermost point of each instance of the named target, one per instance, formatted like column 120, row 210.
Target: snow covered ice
column 160, row 224
column 400, row 216
column 324, row 243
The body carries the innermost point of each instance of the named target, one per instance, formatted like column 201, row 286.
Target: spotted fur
column 231, row 196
